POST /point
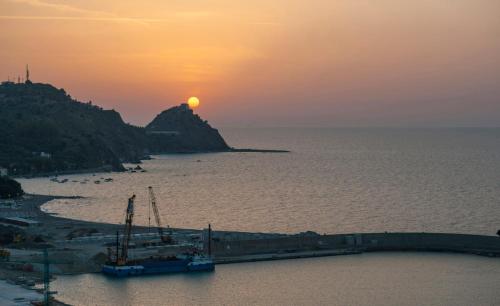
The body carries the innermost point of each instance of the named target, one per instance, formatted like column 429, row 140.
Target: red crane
column 122, row 259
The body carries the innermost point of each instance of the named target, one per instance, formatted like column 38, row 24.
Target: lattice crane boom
column 122, row 259
column 152, row 199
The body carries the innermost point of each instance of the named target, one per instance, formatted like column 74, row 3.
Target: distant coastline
column 258, row 151
column 109, row 169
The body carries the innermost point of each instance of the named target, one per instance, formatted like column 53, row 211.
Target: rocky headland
column 179, row 129
column 45, row 131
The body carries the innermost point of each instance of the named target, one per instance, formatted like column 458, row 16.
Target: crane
column 166, row 238
column 122, row 259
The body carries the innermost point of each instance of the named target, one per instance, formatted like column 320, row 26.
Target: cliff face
column 44, row 130
column 179, row 130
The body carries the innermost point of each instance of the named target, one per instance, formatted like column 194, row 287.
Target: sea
column 334, row 180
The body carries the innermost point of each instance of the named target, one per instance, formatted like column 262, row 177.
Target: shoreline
column 63, row 230
column 78, row 246
column 109, row 169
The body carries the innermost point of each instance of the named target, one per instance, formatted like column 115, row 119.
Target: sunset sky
column 266, row 63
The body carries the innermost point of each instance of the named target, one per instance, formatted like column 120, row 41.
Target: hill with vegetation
column 180, row 130
column 9, row 188
column 45, row 130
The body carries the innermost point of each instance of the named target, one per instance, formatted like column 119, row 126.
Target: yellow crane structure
column 165, row 238
column 122, row 253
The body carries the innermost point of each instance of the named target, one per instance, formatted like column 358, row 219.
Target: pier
column 310, row 245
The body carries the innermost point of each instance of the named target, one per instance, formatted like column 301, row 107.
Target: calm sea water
column 335, row 180
column 368, row 279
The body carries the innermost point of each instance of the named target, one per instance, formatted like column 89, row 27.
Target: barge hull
column 157, row 267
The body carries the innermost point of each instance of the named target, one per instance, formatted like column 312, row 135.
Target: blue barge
column 159, row 265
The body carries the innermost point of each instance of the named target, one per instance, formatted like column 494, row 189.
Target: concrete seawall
column 298, row 246
column 472, row 244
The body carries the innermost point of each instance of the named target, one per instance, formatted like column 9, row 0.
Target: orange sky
column 267, row 63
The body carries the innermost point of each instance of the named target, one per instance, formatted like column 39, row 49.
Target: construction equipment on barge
column 122, row 266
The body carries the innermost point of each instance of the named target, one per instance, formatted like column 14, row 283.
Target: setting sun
column 193, row 102
column 328, row 127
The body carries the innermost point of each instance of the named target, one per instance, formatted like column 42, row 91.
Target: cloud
column 81, row 14
column 59, row 7
column 85, row 18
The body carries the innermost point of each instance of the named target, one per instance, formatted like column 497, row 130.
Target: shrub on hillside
column 9, row 188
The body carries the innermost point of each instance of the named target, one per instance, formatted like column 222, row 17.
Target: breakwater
column 228, row 250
